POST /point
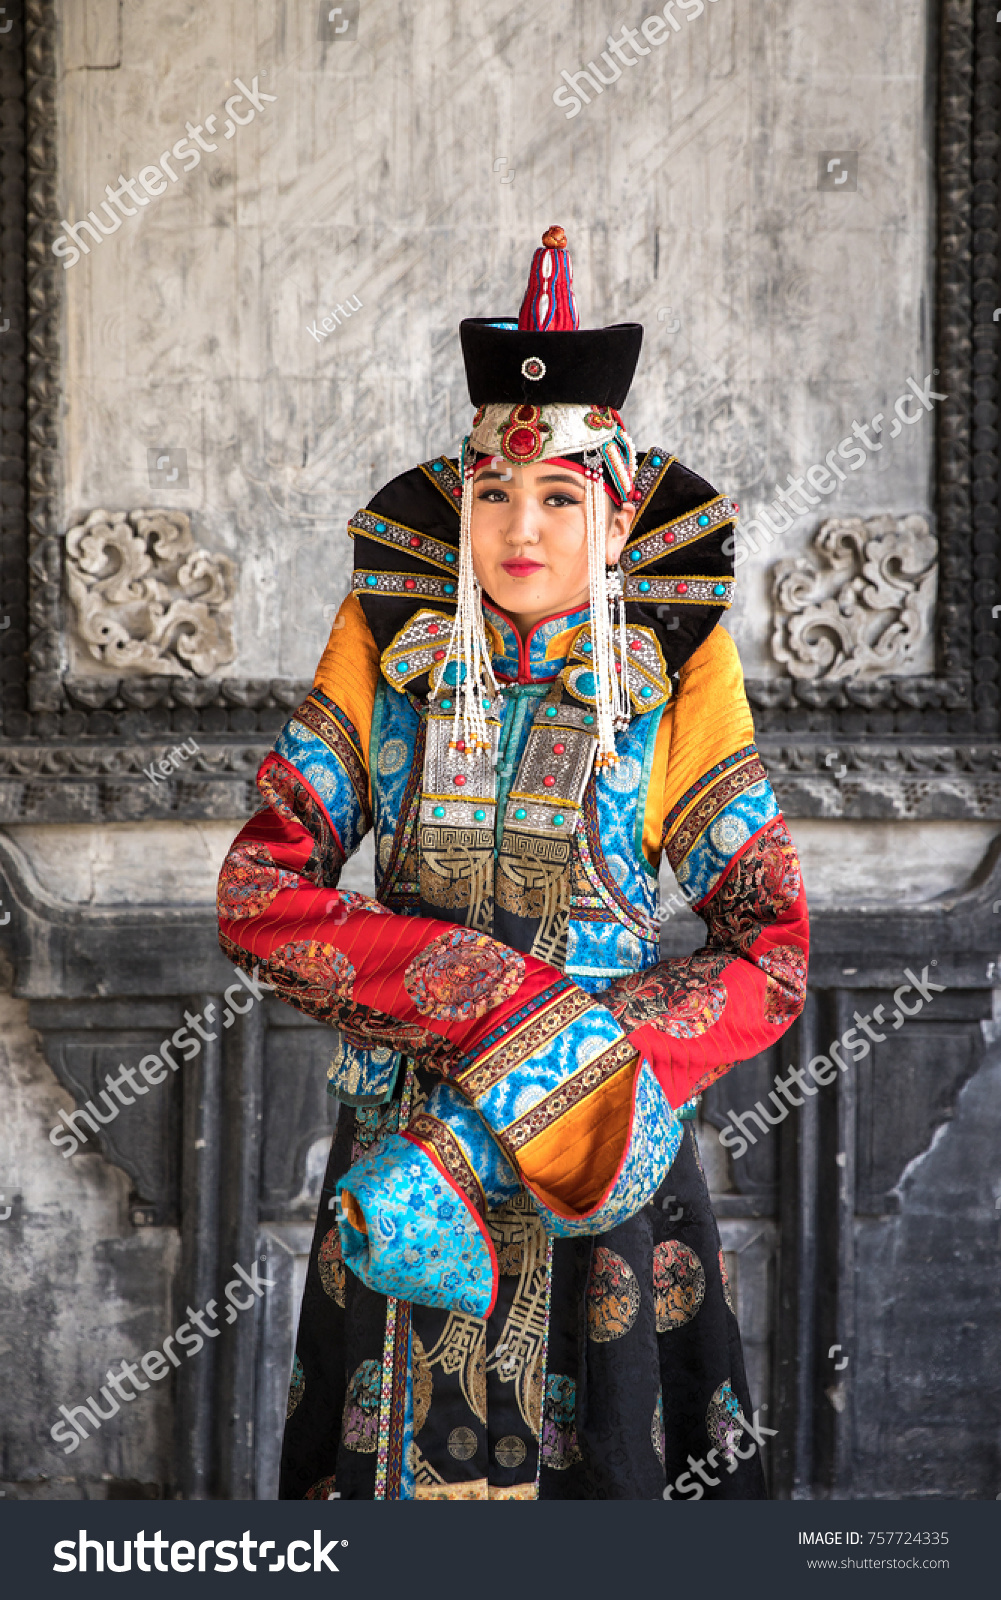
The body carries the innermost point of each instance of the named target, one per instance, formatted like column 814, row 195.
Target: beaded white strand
column 467, row 646
column 607, row 694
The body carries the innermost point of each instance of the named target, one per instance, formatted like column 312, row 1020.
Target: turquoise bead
column 446, row 705
column 646, row 692
column 380, row 527
column 585, row 683
column 720, row 589
column 587, row 647
column 703, row 521
column 644, row 587
column 371, row 580
column 479, row 816
column 521, row 814
column 634, row 555
column 450, row 588
column 439, row 811
column 403, row 666
column 452, row 674
column 550, row 711
column 589, row 719
column 655, row 461
column 557, row 821
column 436, row 466
column 450, row 557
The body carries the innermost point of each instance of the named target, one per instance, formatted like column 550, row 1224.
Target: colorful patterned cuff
column 576, row 1110
column 454, row 1134
column 316, row 742
column 713, row 850
column 423, row 1240
column 655, row 1136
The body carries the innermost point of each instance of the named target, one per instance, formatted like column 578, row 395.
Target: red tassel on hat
column 549, row 305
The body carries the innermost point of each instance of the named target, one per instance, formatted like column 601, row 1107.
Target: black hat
column 545, row 358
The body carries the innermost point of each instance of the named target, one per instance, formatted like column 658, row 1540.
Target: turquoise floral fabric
column 424, row 1242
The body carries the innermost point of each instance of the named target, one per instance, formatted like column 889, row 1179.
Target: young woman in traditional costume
column 516, row 1289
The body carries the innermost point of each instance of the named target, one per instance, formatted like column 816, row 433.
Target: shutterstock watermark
column 909, row 408
column 688, row 1483
column 156, row 1364
column 657, row 29
column 152, row 179
column 188, row 1039
column 824, row 1069
column 72, row 1555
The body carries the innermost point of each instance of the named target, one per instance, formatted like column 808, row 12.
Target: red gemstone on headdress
column 522, row 442
column 736, row 506
column 618, row 666
column 433, row 629
column 682, row 588
column 634, row 644
column 459, row 779
column 409, row 583
column 669, row 537
column 558, row 749
column 549, row 782
column 456, row 494
column 415, row 543
column 439, row 655
column 460, row 744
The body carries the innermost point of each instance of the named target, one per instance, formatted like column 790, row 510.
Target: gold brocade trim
column 518, row 1491
column 532, row 880
column 439, row 1138
column 473, row 1489
column 586, row 1082
column 523, row 1041
column 707, row 806
column 456, row 872
column 462, row 1348
column 518, row 1356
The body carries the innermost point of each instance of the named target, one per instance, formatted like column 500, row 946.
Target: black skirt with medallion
column 610, row 1368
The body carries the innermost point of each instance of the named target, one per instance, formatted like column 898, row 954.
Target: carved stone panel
column 864, row 608
column 145, row 599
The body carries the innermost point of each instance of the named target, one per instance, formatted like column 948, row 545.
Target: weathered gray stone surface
column 410, row 169
column 411, row 166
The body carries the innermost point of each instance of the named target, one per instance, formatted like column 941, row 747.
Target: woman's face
column 529, row 538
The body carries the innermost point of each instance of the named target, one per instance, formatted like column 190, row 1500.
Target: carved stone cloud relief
column 864, row 607
column 146, row 599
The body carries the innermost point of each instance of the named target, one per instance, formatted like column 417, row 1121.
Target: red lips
column 521, row 569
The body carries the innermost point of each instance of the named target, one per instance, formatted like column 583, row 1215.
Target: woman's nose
column 522, row 527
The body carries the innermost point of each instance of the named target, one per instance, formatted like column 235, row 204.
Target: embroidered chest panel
column 433, row 837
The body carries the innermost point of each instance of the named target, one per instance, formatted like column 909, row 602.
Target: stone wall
column 409, row 166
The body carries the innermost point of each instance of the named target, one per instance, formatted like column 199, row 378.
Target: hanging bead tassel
column 475, row 684
column 607, row 693
column 617, row 608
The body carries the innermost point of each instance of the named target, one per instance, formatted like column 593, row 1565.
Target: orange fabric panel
column 573, row 1163
column 349, row 668
column 354, row 1213
column 708, row 721
column 653, row 816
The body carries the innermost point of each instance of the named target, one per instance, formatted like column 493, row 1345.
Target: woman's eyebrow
column 559, row 477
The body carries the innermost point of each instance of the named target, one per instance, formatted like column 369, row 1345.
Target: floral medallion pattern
column 785, row 965
column 613, row 1296
column 679, row 1284
column 330, row 1264
column 461, row 975
column 360, row 1426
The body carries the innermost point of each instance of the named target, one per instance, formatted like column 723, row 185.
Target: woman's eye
column 496, row 495
column 561, row 500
